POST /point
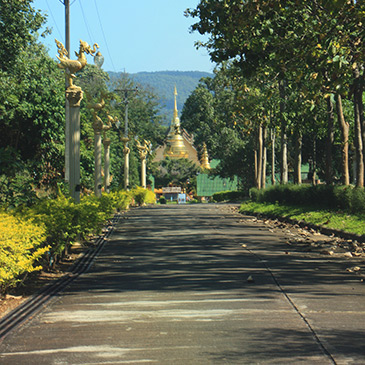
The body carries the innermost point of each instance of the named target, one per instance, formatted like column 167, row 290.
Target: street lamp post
column 74, row 96
column 98, row 127
column 143, row 150
column 106, row 143
column 125, row 139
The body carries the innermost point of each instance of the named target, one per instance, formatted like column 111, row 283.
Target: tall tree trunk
column 314, row 177
column 259, row 157
column 264, row 157
column 329, row 141
column 358, row 113
column 298, row 158
column 273, row 180
column 344, row 127
column 283, row 136
column 255, row 153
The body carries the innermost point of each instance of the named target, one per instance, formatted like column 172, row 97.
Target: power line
column 54, row 21
column 92, row 39
column 102, row 30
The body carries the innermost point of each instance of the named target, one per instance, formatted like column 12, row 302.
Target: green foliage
column 31, row 116
column 229, row 196
column 143, row 196
column 66, row 221
column 18, row 24
column 162, row 200
column 51, row 226
column 17, row 190
column 143, row 121
column 21, row 246
column 179, row 172
column 325, row 196
column 121, row 199
column 338, row 220
column 287, row 59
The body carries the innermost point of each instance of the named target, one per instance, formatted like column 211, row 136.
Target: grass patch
column 342, row 221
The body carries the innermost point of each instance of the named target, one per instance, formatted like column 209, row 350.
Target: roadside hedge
column 22, row 243
column 229, row 196
column 143, row 196
column 36, row 236
column 347, row 198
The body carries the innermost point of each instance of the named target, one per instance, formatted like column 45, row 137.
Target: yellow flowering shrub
column 143, row 196
column 121, row 199
column 21, row 245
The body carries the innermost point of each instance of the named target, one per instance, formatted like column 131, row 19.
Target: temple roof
column 178, row 143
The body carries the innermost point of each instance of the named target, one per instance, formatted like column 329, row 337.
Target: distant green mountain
column 163, row 83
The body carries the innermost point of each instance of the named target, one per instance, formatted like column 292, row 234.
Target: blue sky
column 133, row 35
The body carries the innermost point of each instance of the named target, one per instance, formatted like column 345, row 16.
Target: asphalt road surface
column 199, row 284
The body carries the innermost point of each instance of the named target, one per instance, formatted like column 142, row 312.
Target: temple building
column 179, row 144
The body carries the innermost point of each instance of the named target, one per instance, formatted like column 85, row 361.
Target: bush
column 21, row 245
column 323, row 196
column 56, row 223
column 66, row 221
column 162, row 200
column 229, row 196
column 121, row 199
column 17, row 190
column 143, row 196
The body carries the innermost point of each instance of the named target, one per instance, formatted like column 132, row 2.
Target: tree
column 312, row 49
column 176, row 172
column 19, row 23
column 31, row 105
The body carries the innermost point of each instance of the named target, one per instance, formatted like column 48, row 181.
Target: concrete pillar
column 106, row 143
column 97, row 156
column 126, row 152
column 143, row 172
column 74, row 96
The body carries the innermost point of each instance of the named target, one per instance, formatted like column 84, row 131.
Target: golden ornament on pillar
column 72, row 66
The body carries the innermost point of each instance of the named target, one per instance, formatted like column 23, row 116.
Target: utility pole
column 66, row 3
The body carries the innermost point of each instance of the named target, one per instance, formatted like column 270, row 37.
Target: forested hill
column 163, row 82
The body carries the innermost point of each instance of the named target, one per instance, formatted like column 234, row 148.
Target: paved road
column 171, row 287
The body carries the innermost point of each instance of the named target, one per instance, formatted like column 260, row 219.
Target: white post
column 143, row 172
column 74, row 96
column 97, row 156
column 106, row 143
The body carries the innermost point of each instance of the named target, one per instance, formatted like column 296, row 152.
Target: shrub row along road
column 199, row 284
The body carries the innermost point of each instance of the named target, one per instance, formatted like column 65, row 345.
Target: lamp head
column 99, row 59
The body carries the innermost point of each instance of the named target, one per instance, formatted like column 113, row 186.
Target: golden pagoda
column 178, row 144
column 175, row 147
column 204, row 161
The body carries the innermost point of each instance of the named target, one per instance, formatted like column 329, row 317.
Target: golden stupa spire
column 175, row 143
column 175, row 105
column 204, row 162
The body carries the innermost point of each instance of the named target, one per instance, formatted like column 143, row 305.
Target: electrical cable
column 102, row 30
column 54, row 21
column 92, row 39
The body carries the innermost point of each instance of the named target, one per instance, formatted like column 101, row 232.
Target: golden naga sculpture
column 62, row 51
column 72, row 66
column 144, row 148
column 110, row 121
column 109, row 124
column 95, row 106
